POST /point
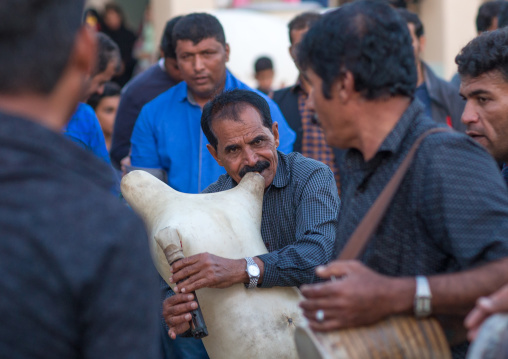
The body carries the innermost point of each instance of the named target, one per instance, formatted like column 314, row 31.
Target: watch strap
column 253, row 280
column 423, row 298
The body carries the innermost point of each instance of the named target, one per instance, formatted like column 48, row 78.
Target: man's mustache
column 258, row 167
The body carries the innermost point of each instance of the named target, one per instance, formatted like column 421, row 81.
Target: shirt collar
column 394, row 139
column 182, row 90
column 281, row 178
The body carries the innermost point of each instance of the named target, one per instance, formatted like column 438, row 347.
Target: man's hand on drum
column 486, row 306
column 358, row 296
column 206, row 270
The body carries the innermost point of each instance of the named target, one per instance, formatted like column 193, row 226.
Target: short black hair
column 485, row 53
column 228, row 105
column 197, row 27
column 486, row 13
column 502, row 19
column 167, row 45
column 36, row 40
column 302, row 21
column 107, row 51
column 411, row 18
column 263, row 63
column 367, row 38
column 110, row 89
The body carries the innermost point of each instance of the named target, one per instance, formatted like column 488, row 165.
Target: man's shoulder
column 297, row 162
column 437, row 84
column 278, row 95
column 149, row 80
column 84, row 112
column 169, row 100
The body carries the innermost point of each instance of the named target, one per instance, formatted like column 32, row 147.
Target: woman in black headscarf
column 114, row 27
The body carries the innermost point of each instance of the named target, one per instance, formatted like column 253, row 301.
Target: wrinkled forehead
column 242, row 120
column 491, row 81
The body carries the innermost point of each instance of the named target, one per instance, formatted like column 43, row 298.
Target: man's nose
column 250, row 157
column 469, row 115
column 198, row 63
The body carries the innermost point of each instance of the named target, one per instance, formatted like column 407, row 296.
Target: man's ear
column 275, row 131
column 83, row 56
column 345, row 86
column 226, row 47
column 423, row 42
column 213, row 152
column 290, row 48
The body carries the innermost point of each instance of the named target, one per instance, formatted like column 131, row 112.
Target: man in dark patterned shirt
column 76, row 280
column 442, row 242
column 484, row 85
column 300, row 206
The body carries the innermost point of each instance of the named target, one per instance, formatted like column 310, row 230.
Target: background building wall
column 449, row 24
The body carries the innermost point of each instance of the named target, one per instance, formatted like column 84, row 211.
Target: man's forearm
column 454, row 293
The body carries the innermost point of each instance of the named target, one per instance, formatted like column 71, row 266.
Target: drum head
column 307, row 344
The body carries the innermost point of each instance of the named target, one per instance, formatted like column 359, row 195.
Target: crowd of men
column 77, row 275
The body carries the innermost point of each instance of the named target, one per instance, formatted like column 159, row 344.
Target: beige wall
column 449, row 26
column 163, row 10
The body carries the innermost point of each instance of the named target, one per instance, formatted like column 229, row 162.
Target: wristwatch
column 423, row 297
column 253, row 272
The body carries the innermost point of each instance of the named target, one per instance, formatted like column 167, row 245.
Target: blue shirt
column 449, row 214
column 85, row 130
column 168, row 135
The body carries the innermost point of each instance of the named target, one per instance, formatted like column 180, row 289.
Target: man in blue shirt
column 442, row 242
column 84, row 127
column 167, row 134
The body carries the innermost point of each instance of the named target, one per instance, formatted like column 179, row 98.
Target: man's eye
column 482, row 100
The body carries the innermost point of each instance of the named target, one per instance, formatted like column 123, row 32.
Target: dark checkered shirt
column 299, row 220
column 449, row 214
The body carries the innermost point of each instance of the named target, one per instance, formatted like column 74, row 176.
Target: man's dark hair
column 36, row 40
column 110, row 89
column 502, row 19
column 228, row 106
column 197, row 27
column 107, row 51
column 486, row 13
column 167, row 44
column 263, row 63
column 485, row 53
column 302, row 21
column 411, row 18
column 367, row 38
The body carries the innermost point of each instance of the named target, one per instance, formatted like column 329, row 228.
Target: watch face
column 253, row 270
